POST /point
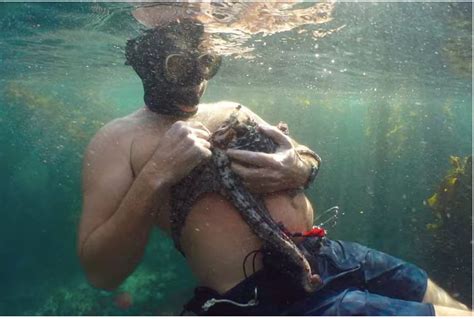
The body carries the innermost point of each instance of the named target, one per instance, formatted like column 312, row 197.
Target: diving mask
column 190, row 69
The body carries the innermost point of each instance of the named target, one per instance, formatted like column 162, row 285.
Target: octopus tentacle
column 259, row 220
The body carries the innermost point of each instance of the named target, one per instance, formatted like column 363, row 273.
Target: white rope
column 211, row 302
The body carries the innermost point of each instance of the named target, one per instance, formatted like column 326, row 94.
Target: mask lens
column 177, row 67
column 209, row 64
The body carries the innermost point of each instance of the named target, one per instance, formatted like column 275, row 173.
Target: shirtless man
column 132, row 162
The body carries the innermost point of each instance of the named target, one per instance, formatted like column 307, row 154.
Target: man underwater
column 133, row 162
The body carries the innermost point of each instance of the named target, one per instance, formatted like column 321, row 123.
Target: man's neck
column 165, row 118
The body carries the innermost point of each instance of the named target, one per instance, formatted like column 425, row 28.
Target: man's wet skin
column 215, row 238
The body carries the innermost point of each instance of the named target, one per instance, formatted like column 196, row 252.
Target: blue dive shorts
column 356, row 281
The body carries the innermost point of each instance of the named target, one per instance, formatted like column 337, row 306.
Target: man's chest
column 149, row 135
column 145, row 142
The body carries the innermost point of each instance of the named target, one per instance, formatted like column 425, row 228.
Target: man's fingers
column 267, row 187
column 252, row 158
column 182, row 129
column 200, row 154
column 252, row 175
column 276, row 135
column 206, row 153
column 198, row 125
column 252, row 178
column 241, row 170
column 204, row 134
column 204, row 143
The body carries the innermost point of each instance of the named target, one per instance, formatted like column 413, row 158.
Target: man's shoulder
column 221, row 105
column 125, row 124
column 223, row 109
column 214, row 114
column 117, row 131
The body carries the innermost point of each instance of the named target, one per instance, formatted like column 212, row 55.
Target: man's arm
column 118, row 209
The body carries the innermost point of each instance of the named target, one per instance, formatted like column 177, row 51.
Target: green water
column 385, row 101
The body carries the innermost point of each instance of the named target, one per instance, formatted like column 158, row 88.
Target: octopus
column 217, row 176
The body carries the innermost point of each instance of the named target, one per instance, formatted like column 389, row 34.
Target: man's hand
column 183, row 147
column 266, row 173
